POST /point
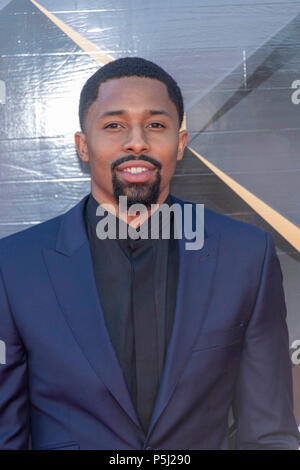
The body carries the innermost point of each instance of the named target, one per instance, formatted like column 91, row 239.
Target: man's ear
column 183, row 135
column 81, row 145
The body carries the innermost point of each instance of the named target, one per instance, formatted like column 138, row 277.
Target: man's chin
column 137, row 193
column 139, row 196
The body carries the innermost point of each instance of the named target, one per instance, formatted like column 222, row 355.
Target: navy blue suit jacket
column 62, row 386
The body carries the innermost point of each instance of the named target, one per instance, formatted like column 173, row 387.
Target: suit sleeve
column 263, row 400
column 14, row 407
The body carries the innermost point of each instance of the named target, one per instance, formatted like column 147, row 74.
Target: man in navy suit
column 141, row 343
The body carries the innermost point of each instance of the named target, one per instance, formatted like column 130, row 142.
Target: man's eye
column 156, row 125
column 112, row 125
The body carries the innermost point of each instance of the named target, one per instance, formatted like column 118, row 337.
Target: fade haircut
column 128, row 67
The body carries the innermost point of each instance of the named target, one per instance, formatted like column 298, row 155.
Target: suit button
column 148, row 448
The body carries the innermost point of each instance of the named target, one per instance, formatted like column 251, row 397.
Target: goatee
column 137, row 193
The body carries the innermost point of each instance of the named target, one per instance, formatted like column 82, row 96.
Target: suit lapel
column 194, row 291
column 71, row 271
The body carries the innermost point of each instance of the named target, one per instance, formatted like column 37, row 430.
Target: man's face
column 132, row 141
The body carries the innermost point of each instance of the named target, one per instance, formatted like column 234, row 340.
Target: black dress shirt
column 113, row 269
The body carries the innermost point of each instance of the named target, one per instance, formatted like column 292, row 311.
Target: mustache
column 127, row 158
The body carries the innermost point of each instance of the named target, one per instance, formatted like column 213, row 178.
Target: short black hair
column 128, row 67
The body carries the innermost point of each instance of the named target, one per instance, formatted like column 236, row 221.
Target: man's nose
column 136, row 142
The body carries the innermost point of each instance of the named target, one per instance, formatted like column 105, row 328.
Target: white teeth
column 136, row 169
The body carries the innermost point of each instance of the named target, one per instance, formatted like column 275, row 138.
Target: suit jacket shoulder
column 235, row 235
column 31, row 240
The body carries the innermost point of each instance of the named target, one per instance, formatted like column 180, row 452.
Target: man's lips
column 141, row 177
column 135, row 164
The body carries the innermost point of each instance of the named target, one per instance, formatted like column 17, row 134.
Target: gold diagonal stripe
column 93, row 51
column 281, row 224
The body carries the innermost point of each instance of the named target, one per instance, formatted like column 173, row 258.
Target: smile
column 136, row 175
column 137, row 169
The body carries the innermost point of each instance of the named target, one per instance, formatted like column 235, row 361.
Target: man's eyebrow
column 120, row 112
column 157, row 111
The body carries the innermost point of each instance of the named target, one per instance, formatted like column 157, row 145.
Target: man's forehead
column 137, row 94
column 120, row 88
column 134, row 96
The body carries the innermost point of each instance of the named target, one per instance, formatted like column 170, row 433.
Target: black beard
column 137, row 193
